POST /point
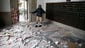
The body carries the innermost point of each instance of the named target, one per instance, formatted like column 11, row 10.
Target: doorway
column 22, row 5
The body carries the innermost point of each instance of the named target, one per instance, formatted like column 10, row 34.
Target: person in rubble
column 39, row 13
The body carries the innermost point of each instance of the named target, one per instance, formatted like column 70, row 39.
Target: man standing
column 39, row 13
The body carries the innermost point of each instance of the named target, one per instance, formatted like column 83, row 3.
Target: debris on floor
column 24, row 35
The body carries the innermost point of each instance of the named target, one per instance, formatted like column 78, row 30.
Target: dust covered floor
column 50, row 35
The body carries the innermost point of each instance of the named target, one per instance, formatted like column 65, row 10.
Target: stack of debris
column 22, row 35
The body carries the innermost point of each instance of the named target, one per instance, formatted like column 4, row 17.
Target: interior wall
column 6, row 18
column 77, row 0
column 5, row 5
column 5, row 12
column 0, row 5
column 31, row 7
column 13, row 4
column 43, row 3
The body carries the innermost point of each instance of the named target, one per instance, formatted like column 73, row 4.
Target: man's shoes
column 40, row 25
column 36, row 25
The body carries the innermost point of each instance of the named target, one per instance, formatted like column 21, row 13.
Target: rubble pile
column 24, row 35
